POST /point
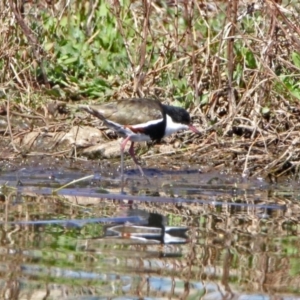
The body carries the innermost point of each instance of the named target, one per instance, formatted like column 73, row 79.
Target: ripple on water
column 179, row 234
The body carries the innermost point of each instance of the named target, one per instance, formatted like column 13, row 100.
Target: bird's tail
column 112, row 125
column 93, row 112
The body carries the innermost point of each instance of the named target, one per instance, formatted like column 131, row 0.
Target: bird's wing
column 138, row 111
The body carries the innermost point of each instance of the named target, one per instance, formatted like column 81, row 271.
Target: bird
column 140, row 120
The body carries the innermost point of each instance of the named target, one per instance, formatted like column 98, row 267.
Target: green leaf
column 64, row 21
column 204, row 99
column 70, row 60
column 238, row 73
column 250, row 60
column 265, row 110
column 73, row 79
column 103, row 10
column 296, row 93
column 100, row 82
column 49, row 46
column 296, row 59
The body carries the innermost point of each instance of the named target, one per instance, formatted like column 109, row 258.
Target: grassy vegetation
column 236, row 64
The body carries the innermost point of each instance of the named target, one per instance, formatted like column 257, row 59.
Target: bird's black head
column 178, row 114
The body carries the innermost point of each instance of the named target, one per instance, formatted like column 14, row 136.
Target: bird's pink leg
column 132, row 154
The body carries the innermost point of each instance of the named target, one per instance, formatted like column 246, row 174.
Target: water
column 181, row 234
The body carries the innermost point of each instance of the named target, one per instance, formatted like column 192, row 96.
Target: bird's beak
column 194, row 129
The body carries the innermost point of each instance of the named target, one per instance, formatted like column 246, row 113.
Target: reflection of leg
column 132, row 154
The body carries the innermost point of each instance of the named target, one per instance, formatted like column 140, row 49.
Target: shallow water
column 181, row 234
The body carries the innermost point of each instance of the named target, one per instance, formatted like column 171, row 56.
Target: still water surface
column 178, row 235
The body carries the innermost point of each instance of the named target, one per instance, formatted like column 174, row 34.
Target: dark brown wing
column 137, row 110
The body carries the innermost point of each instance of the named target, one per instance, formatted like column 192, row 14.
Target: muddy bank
column 72, row 134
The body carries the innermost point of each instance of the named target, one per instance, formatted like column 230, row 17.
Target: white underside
column 153, row 122
column 171, row 128
column 139, row 137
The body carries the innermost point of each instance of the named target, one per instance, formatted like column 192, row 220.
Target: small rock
column 104, row 149
column 83, row 136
